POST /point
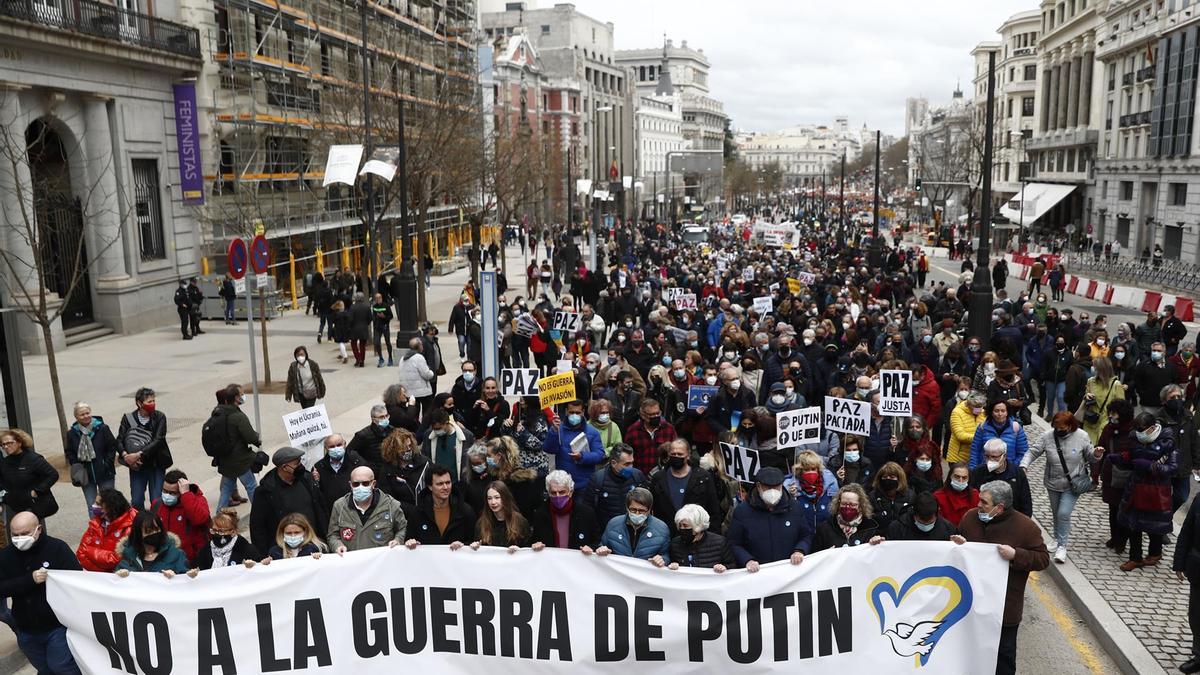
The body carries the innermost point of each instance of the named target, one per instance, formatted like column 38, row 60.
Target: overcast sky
column 776, row 63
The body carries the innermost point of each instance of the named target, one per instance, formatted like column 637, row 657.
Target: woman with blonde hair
column 1101, row 391
column 404, row 469
column 295, row 538
column 226, row 547
column 852, row 523
column 985, row 372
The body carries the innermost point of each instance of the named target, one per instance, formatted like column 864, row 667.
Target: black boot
column 1192, row 665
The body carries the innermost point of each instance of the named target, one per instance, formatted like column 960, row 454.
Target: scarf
column 812, row 488
column 86, row 451
column 222, row 554
column 850, row 528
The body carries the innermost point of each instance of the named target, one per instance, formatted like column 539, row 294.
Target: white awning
column 1038, row 198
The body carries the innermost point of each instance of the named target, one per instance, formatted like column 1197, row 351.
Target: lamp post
column 1021, row 177
column 596, row 202
column 842, row 205
column 876, row 243
column 980, row 311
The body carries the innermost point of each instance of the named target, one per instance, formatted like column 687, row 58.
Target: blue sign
column 698, row 395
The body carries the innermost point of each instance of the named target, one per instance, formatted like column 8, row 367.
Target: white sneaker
column 1052, row 546
column 1060, row 556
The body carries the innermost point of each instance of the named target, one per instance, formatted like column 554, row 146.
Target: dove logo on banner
column 945, row 598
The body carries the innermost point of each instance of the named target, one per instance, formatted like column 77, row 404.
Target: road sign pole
column 253, row 357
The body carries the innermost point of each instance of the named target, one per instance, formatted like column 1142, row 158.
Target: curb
column 13, row 661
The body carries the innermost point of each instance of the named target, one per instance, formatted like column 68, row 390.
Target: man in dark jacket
column 729, row 402
column 608, row 486
column 195, row 300
column 626, row 400
column 1173, row 330
column 1148, row 378
column 332, row 472
column 769, row 526
column 997, row 467
column 922, row 523
column 639, row 355
column 680, row 483
column 367, row 440
column 1019, row 542
column 24, row 566
column 287, row 489
column 563, row 521
column 440, row 515
column 1176, row 417
column 183, row 306
column 361, row 318
column 237, row 461
column 142, row 446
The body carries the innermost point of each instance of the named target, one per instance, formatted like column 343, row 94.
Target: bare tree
column 45, row 260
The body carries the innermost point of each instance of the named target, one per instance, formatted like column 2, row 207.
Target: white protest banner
column 685, row 301
column 519, row 381
column 674, row 292
column 847, row 416
column 806, row 278
column 383, row 163
column 341, row 165
column 895, row 393
column 763, row 305
column 526, row 326
column 564, row 365
column 748, row 274
column 741, row 464
column 307, row 429
column 773, row 287
column 798, row 427
column 863, row 609
column 568, row 322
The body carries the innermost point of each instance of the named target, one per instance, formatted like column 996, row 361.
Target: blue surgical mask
column 851, row 457
column 574, row 419
column 1144, row 436
column 468, row 377
column 337, row 452
column 603, row 418
column 985, row 516
column 958, row 485
column 924, row 527
column 679, row 373
column 293, row 540
column 666, row 360
column 361, row 493
column 479, row 469
column 170, row 499
column 626, row 473
column 637, row 519
column 383, row 423
column 491, row 462
column 1156, row 356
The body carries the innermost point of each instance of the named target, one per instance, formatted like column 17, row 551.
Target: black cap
column 769, row 476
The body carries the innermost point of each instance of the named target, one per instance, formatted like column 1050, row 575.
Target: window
column 1030, row 72
column 1126, row 190
column 1010, row 106
column 545, row 29
column 1178, row 194
column 147, row 209
column 1026, row 106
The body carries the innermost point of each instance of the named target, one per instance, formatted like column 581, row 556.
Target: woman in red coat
column 956, row 496
column 111, row 519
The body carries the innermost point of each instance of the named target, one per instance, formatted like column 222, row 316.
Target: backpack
column 214, row 436
column 137, row 437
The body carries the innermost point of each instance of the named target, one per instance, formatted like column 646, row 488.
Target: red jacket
column 98, row 547
column 188, row 519
column 927, row 398
column 1186, row 374
column 952, row 504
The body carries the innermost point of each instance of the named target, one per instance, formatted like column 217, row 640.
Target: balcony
column 1127, row 80
column 1146, row 73
column 1134, row 119
column 108, row 22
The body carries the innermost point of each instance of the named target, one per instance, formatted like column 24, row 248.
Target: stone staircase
column 86, row 333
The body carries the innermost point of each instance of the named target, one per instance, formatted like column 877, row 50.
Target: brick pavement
column 1150, row 601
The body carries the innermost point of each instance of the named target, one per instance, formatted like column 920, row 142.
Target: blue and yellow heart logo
column 919, row 638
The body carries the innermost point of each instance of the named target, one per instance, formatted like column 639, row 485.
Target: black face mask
column 221, row 540
column 155, row 540
column 889, row 483
column 676, row 462
column 653, row 422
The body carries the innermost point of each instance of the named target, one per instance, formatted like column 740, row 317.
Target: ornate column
column 1073, row 97
column 1046, row 76
column 1055, row 79
column 103, row 214
column 1085, row 83
column 1064, row 91
column 16, row 193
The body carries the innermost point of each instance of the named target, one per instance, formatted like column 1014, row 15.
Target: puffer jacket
column 1011, row 432
column 652, row 539
column 606, row 492
column 756, row 533
column 241, row 436
column 415, row 374
column 97, row 550
column 187, row 519
column 170, row 557
column 712, row 549
column 1146, row 502
column 1076, row 450
column 104, row 466
column 962, row 432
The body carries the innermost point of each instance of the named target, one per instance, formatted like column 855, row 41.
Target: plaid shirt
column 645, row 445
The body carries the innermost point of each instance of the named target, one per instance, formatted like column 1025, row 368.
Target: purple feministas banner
column 187, row 136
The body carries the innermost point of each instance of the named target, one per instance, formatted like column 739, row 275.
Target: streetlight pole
column 876, row 244
column 596, row 184
column 369, row 220
column 406, row 283
column 842, row 205
column 980, row 311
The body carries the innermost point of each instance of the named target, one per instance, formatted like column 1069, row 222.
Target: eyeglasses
column 638, row 510
column 361, row 483
column 10, row 442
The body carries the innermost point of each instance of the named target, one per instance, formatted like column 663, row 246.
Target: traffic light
column 918, row 185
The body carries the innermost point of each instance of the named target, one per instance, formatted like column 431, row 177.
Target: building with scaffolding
column 88, row 111
column 284, row 81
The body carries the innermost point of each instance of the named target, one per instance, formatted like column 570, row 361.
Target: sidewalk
column 185, row 375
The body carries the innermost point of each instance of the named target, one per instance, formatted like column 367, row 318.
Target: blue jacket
column 653, row 539
column 559, row 444
column 1035, row 350
column 1013, row 435
column 767, row 536
column 816, row 511
column 714, row 329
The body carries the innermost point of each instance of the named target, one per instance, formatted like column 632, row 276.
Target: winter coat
column 558, row 444
column 583, row 526
column 1011, row 432
column 188, row 519
column 767, row 535
column 885, row 509
column 156, row 454
column 1054, row 365
column 294, row 387
column 384, row 521
column 712, row 549
column 905, row 529
column 366, row 443
column 170, row 557
column 415, row 374
column 422, row 524
column 1146, row 503
column 97, row 550
column 952, row 504
column 1105, row 395
column 1187, row 443
column 625, row 406
column 815, row 511
column 1020, row 532
column 860, row 472
column 334, row 484
column 606, row 492
column 962, row 432
column 274, row 499
column 26, row 472
column 104, row 466
column 30, row 611
column 699, row 490
column 1146, row 382
column 830, row 534
column 1016, row 479
column 1187, row 546
column 241, row 436
column 722, row 405
column 450, row 446
column 927, row 397
column 610, row 434
column 242, row 551
column 342, row 323
column 652, row 539
column 1076, row 449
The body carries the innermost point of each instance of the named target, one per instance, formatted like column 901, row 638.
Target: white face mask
column 711, row 380
column 771, row 497
column 735, row 384
column 24, row 543
column 992, row 465
column 778, row 399
column 301, row 359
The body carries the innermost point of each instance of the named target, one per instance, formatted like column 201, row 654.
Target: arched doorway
column 59, row 219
